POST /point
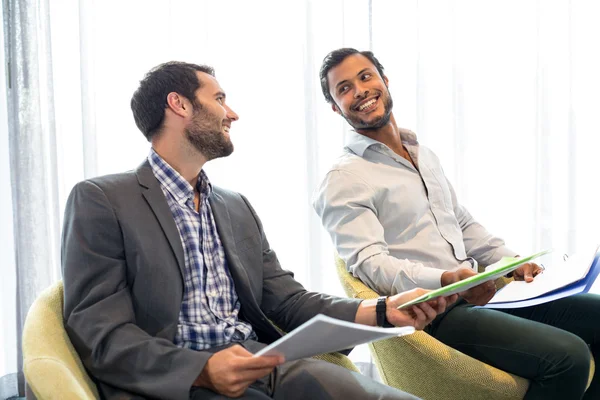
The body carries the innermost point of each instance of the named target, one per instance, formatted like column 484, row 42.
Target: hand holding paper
column 419, row 315
column 478, row 295
column 527, row 272
column 575, row 275
column 502, row 267
column 232, row 370
column 323, row 334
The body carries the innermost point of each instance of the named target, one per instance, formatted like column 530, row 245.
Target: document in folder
column 323, row 334
column 576, row 275
column 495, row 271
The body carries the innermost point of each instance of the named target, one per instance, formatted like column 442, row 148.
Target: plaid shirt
column 210, row 306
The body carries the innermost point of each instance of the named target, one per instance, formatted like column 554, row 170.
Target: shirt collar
column 358, row 143
column 174, row 183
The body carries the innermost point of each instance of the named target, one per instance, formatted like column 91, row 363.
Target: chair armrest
column 338, row 359
column 427, row 368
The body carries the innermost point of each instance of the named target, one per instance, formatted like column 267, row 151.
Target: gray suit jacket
column 123, row 266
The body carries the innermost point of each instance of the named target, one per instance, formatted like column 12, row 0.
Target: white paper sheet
column 323, row 334
column 554, row 277
column 587, row 284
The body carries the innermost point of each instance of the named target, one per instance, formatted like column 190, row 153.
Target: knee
column 575, row 358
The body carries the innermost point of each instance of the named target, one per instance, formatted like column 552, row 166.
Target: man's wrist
column 203, row 379
column 381, row 312
column 200, row 381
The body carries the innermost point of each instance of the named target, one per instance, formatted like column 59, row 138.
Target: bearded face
column 355, row 119
column 209, row 133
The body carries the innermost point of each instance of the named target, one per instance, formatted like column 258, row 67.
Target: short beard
column 202, row 135
column 359, row 124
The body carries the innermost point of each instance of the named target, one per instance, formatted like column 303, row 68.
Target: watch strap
column 380, row 311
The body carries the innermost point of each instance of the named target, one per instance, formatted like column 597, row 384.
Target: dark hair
column 149, row 101
column 335, row 58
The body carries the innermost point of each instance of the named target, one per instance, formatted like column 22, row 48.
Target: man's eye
column 343, row 88
column 366, row 76
column 220, row 100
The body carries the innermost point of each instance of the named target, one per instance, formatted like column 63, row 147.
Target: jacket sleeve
column 99, row 314
column 286, row 302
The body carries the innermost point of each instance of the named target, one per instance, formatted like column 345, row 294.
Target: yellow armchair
column 422, row 365
column 51, row 365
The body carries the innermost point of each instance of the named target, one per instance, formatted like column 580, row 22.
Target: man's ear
column 387, row 82
column 178, row 104
column 335, row 108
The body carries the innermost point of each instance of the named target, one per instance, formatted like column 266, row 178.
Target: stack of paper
column 323, row 334
column 576, row 275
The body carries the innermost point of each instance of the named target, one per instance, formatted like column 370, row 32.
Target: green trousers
column 548, row 344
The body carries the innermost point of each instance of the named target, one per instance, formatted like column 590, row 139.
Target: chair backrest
column 53, row 368
column 51, row 365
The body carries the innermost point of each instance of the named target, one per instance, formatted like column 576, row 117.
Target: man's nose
column 232, row 115
column 360, row 92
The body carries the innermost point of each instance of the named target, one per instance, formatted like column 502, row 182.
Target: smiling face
column 359, row 93
column 208, row 129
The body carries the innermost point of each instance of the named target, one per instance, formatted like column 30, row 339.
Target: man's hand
column 420, row 315
column 230, row 371
column 527, row 272
column 478, row 295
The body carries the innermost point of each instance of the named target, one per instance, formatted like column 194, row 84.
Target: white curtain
column 505, row 92
column 30, row 230
column 8, row 310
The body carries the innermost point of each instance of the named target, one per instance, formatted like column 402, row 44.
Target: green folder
column 495, row 271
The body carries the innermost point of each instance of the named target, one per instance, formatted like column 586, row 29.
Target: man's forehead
column 208, row 82
column 348, row 68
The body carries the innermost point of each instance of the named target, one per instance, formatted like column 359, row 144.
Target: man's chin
column 372, row 122
column 376, row 123
column 221, row 153
column 228, row 151
column 228, row 148
column 213, row 150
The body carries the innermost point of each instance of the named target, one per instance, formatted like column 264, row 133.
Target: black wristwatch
column 380, row 310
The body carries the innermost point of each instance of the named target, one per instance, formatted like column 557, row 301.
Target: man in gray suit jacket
column 170, row 283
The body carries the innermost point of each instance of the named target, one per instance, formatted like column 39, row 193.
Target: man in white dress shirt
column 395, row 220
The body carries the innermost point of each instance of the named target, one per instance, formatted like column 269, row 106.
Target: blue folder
column 582, row 286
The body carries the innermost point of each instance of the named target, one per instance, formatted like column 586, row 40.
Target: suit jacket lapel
column 156, row 199
column 238, row 272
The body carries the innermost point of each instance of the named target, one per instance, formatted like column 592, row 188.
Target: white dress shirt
column 395, row 226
